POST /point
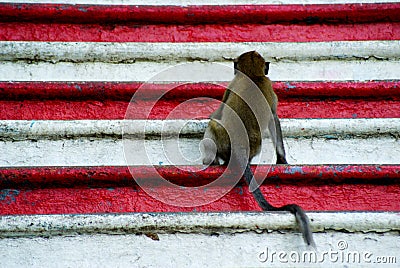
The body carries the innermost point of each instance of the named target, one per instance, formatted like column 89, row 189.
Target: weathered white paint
column 108, row 151
column 130, row 52
column 295, row 128
column 237, row 240
column 51, row 143
column 191, row 222
column 198, row 2
column 198, row 250
column 198, row 71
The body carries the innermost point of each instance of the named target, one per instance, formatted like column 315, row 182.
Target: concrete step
column 340, row 61
column 236, row 239
column 176, row 142
column 68, row 72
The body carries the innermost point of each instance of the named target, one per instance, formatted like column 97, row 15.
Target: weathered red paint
column 131, row 32
column 55, row 190
column 126, row 199
column 192, row 14
column 348, row 89
column 194, row 109
column 107, row 100
column 106, row 176
column 125, row 90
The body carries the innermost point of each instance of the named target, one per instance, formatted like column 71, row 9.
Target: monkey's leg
column 280, row 149
column 297, row 211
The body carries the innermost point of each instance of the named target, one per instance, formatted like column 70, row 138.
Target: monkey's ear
column 266, row 68
column 235, row 67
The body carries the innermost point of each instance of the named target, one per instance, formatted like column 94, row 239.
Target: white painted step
column 198, row 240
column 207, row 51
column 295, row 128
column 197, row 71
column 290, row 61
column 110, row 152
column 307, row 141
column 201, row 250
column 194, row 222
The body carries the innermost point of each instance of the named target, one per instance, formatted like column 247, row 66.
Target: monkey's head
column 251, row 64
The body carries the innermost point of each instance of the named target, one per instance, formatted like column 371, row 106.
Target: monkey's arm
column 275, row 131
column 280, row 149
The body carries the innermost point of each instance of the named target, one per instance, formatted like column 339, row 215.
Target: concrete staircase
column 103, row 105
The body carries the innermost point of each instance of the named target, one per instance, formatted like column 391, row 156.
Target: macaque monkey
column 234, row 133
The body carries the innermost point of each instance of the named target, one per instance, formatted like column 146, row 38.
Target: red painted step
column 193, row 14
column 237, row 23
column 124, row 90
column 56, row 32
column 110, row 100
column 54, row 190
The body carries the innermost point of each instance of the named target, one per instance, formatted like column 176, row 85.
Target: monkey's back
column 251, row 100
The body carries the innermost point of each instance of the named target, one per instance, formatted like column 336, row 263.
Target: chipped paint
column 289, row 86
column 294, row 169
column 8, row 196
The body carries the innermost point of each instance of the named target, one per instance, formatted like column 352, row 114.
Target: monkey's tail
column 302, row 220
column 297, row 211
